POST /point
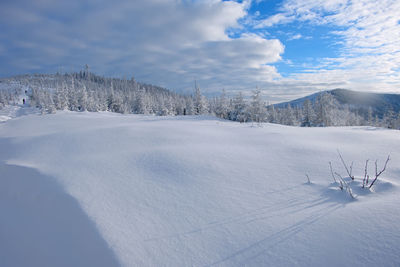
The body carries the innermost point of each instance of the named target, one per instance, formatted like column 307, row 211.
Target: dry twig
column 308, row 178
column 365, row 174
column 348, row 188
column 380, row 172
column 345, row 166
column 333, row 176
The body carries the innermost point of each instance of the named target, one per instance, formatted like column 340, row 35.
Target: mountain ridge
column 356, row 101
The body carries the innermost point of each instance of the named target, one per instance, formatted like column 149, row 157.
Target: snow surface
column 103, row 189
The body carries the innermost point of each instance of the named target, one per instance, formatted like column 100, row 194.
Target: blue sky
column 287, row 48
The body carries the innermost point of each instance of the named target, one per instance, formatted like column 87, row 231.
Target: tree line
column 323, row 111
column 85, row 91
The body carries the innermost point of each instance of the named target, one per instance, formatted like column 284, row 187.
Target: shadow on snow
column 41, row 225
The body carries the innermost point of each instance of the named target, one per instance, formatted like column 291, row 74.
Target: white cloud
column 295, row 37
column 280, row 18
column 370, row 33
column 166, row 42
column 173, row 42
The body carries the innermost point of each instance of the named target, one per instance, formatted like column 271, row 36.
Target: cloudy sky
column 287, row 48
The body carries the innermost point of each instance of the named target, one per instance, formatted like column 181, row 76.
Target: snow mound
column 4, row 118
column 13, row 111
column 359, row 193
column 41, row 224
column 382, row 186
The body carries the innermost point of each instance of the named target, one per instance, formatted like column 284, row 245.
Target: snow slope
column 102, row 189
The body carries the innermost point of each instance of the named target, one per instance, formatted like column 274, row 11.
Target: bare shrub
column 343, row 185
column 377, row 174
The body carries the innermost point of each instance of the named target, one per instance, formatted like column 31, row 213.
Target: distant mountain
column 358, row 102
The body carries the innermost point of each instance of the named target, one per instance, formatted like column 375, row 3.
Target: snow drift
column 92, row 189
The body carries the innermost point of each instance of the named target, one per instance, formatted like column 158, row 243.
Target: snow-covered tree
column 142, row 102
column 308, row 114
column 239, row 112
column 288, row 117
column 389, row 119
column 82, row 98
column 370, row 118
column 324, row 106
column 200, row 102
column 272, row 114
column 189, row 107
column 222, row 107
column 2, row 99
column 257, row 108
column 87, row 91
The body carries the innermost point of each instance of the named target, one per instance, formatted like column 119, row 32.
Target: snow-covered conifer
column 200, row 102
column 257, row 108
column 222, row 107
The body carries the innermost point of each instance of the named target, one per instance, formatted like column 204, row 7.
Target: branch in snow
column 365, row 174
column 377, row 174
column 348, row 188
column 345, row 166
column 333, row 176
column 308, row 178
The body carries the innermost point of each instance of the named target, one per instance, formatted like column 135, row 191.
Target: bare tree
column 344, row 185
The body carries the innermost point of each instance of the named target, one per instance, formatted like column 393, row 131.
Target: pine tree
column 288, row 117
column 370, row 118
column 142, row 102
column 189, row 106
column 257, row 109
column 73, row 97
column 390, row 119
column 82, row 99
column 2, row 99
column 324, row 109
column 308, row 114
column 239, row 109
column 200, row 103
column 222, row 107
column 397, row 122
column 272, row 114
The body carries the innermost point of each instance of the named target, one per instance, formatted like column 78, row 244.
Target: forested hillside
column 85, row 91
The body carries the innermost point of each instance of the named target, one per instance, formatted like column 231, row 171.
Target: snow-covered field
column 103, row 189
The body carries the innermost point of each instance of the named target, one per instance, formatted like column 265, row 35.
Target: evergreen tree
column 82, row 98
column 370, row 118
column 239, row 109
column 389, row 119
column 288, row 117
column 142, row 106
column 257, row 109
column 308, row 114
column 324, row 106
column 200, row 103
column 189, row 106
column 272, row 114
column 222, row 107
